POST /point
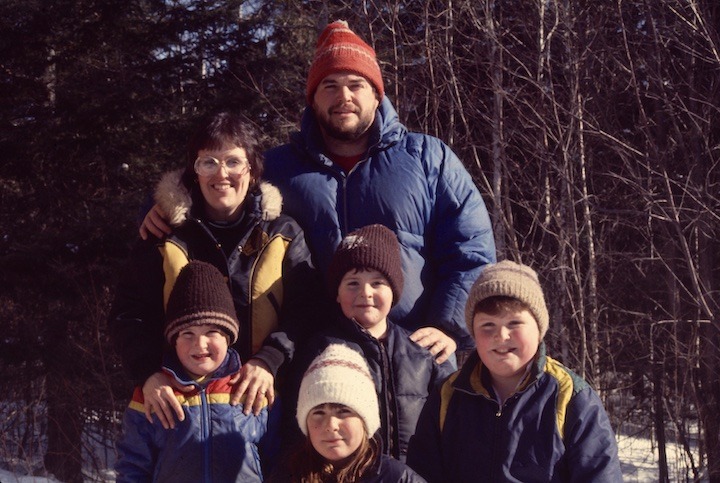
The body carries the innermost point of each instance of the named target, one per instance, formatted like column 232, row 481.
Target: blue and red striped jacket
column 215, row 442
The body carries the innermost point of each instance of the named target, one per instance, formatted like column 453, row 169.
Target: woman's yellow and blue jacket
column 263, row 256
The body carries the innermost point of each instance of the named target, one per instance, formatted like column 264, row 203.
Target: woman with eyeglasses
column 222, row 213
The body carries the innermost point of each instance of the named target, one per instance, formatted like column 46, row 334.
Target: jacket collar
column 474, row 378
column 177, row 202
column 351, row 327
column 385, row 131
column 173, row 367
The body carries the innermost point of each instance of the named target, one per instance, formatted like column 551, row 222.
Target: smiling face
column 201, row 349
column 366, row 297
column 345, row 106
column 224, row 193
column 335, row 431
column 506, row 343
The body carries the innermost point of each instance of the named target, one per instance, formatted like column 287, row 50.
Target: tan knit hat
column 339, row 49
column 339, row 375
column 509, row 279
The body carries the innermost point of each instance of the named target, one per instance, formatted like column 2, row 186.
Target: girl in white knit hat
column 338, row 413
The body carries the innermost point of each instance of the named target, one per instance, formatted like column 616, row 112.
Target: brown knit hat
column 509, row 279
column 372, row 247
column 339, row 49
column 200, row 296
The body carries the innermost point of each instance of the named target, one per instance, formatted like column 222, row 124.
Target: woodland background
column 591, row 128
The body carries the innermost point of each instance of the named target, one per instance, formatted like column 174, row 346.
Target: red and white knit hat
column 339, row 375
column 339, row 49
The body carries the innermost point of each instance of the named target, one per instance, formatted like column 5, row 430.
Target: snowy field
column 639, row 461
column 638, row 457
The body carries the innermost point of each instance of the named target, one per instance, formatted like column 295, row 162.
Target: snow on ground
column 7, row 477
column 639, row 461
column 638, row 457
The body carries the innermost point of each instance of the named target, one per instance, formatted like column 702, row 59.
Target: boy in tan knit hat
column 512, row 413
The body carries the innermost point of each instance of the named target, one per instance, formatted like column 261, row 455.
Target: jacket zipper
column 247, row 341
column 205, row 431
column 344, row 229
column 389, row 413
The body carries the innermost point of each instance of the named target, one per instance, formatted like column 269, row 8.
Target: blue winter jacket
column 215, row 443
column 554, row 429
column 413, row 184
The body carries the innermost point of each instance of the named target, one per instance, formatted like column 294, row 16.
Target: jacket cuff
column 272, row 357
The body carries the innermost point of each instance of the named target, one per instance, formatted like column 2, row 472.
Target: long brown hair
column 308, row 466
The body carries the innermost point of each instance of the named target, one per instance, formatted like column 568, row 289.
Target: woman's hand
column 160, row 399
column 154, row 223
column 253, row 382
column 440, row 345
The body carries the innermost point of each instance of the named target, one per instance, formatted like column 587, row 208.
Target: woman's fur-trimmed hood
column 176, row 201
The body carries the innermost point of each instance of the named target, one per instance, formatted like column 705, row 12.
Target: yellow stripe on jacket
column 266, row 289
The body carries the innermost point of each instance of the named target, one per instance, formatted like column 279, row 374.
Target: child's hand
column 255, row 382
column 160, row 399
column 440, row 345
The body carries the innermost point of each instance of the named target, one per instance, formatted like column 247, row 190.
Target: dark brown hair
column 218, row 129
column 500, row 304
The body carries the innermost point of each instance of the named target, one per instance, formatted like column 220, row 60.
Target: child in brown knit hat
column 200, row 326
column 531, row 418
column 366, row 278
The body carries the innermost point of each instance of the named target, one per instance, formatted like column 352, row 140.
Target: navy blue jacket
column 413, row 184
column 554, row 429
column 404, row 374
column 392, row 471
column 215, row 442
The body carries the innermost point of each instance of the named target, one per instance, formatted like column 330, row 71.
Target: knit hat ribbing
column 374, row 247
column 200, row 296
column 339, row 375
column 509, row 279
column 339, row 49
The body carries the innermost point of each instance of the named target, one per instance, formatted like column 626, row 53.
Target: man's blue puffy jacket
column 412, row 183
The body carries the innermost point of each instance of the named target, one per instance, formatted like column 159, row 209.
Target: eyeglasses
column 209, row 166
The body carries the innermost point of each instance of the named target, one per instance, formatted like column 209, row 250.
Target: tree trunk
column 64, row 455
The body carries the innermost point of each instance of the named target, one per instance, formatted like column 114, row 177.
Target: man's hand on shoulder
column 440, row 345
column 155, row 223
column 160, row 399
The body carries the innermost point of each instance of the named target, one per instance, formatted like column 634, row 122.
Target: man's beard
column 343, row 134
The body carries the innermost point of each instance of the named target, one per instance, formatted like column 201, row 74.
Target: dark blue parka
column 413, row 184
column 404, row 374
column 385, row 470
column 553, row 429
column 215, row 442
